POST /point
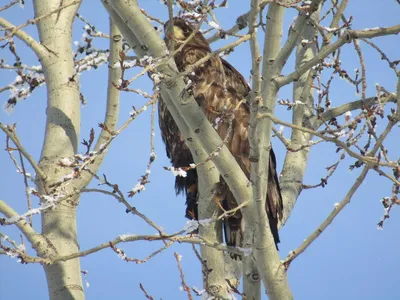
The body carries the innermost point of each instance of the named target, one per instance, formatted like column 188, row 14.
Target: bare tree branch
column 321, row 228
column 358, row 104
column 347, row 37
column 339, row 206
column 39, row 243
column 14, row 29
column 15, row 140
column 113, row 103
column 26, row 38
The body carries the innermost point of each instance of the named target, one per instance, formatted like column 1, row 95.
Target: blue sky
column 350, row 260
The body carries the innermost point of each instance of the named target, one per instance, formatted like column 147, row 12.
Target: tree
column 324, row 43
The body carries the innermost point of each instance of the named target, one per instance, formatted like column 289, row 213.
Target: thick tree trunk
column 61, row 140
column 217, row 267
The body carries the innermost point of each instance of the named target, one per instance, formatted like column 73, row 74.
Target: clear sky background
column 350, row 260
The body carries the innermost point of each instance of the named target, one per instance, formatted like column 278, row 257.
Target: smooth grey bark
column 112, row 106
column 274, row 58
column 251, row 276
column 213, row 268
column 270, row 268
column 61, row 140
column 295, row 163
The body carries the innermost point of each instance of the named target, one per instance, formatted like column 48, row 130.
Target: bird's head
column 182, row 30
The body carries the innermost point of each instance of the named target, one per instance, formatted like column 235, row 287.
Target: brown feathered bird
column 218, row 88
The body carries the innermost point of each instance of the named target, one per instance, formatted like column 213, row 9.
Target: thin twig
column 145, row 292
column 13, row 137
column 28, row 194
column 14, row 29
column 184, row 285
column 7, row 6
column 337, row 209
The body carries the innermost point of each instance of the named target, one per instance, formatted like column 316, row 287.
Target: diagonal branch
column 347, row 37
column 15, row 140
column 339, row 206
column 39, row 49
column 15, row 29
column 321, row 228
column 39, row 243
column 358, row 104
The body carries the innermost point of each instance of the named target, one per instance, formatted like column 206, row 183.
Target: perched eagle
column 217, row 87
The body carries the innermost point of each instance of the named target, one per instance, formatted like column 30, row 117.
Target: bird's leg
column 218, row 199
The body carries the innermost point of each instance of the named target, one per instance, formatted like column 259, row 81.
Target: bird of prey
column 217, row 88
